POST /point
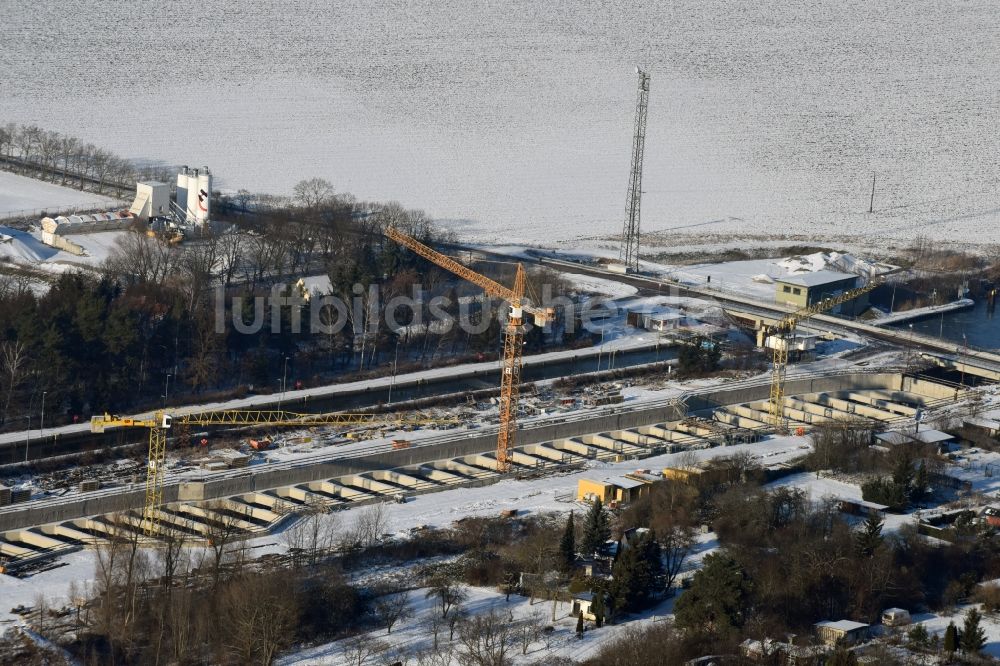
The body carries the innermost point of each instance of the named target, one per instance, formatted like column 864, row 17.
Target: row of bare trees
column 66, row 160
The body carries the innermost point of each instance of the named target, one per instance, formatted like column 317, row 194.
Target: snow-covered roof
column 815, row 279
column 928, row 436
column 983, row 423
column 841, row 625
column 666, row 316
column 865, row 503
column 624, row 482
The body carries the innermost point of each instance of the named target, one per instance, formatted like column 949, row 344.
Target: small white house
column 665, row 321
column 583, row 604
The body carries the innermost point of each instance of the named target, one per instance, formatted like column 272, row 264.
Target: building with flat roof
column 805, row 289
column 620, row 489
column 841, row 631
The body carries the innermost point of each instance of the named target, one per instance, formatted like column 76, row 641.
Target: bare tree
column 436, row 657
column 529, row 630
column 676, row 541
column 313, row 193
column 223, row 531
column 444, row 587
column 370, row 524
column 361, row 650
column 486, row 640
column 13, row 364
column 171, row 558
column 391, row 607
column 138, row 259
column 260, row 614
column 313, row 534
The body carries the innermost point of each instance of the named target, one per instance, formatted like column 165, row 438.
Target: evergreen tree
column 951, row 638
column 842, row 657
column 869, row 537
column 637, row 574
column 920, row 483
column 567, row 546
column 717, row 599
column 597, row 608
column 596, row 529
column 918, row 636
column 973, row 637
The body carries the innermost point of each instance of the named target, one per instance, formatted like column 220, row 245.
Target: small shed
column 841, row 631
column 895, row 617
column 858, row 507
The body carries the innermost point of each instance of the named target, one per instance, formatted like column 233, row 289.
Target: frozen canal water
column 513, row 120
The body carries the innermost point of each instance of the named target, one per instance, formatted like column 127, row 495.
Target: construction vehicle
column 510, row 372
column 159, row 423
column 262, row 444
column 782, row 335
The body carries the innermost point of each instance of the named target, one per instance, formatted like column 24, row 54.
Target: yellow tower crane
column 160, row 422
column 782, row 336
column 510, row 374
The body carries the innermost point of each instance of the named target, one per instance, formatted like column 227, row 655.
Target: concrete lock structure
column 258, row 502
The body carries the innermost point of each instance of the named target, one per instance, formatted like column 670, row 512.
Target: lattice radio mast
column 630, row 233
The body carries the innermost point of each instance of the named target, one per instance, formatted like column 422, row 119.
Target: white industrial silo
column 204, row 208
column 192, row 199
column 182, row 188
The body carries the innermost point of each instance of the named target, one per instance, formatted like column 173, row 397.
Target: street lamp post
column 41, row 421
column 27, row 437
column 166, row 391
column 284, row 381
column 395, row 364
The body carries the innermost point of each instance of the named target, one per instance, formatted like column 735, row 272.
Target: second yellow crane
column 159, row 423
column 782, row 337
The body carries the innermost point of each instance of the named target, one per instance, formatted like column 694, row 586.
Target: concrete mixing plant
column 194, row 188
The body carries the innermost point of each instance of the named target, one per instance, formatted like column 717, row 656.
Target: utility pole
column 871, row 203
column 629, row 254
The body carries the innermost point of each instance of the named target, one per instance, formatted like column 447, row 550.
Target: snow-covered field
column 514, row 121
column 29, row 196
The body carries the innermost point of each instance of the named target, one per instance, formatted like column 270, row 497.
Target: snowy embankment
column 20, row 196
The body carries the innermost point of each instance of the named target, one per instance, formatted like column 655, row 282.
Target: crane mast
column 783, row 333
column 510, row 372
column 629, row 254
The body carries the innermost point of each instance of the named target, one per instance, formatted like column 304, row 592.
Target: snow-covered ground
column 936, row 624
column 516, row 123
column 27, row 196
column 21, row 247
